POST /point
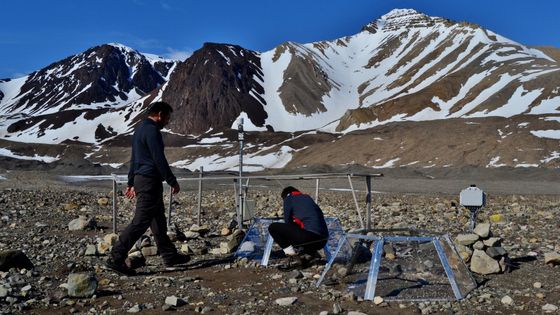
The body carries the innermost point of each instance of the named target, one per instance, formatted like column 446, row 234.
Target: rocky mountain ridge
column 403, row 67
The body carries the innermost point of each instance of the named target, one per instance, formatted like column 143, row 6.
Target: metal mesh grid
column 399, row 268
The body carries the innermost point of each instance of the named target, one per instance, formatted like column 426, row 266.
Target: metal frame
column 377, row 256
column 239, row 189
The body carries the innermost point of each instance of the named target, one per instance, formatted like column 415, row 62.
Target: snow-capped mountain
column 90, row 90
column 402, row 67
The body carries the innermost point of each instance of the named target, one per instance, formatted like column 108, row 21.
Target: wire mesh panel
column 412, row 270
column 254, row 242
column 398, row 268
column 254, row 245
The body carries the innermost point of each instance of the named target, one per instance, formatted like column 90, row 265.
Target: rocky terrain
column 35, row 216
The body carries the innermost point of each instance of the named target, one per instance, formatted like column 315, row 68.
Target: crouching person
column 304, row 230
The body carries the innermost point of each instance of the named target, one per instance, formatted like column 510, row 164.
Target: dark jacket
column 300, row 209
column 147, row 156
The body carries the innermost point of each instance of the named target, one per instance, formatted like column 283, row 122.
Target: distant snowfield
column 550, row 133
column 251, row 162
column 44, row 158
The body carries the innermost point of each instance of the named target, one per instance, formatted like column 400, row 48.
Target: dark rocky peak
column 102, row 74
column 403, row 18
column 213, row 86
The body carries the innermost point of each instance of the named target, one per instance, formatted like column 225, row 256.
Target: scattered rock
column 356, row 313
column 225, row 232
column 496, row 252
column 91, row 250
column 537, row 285
column 377, row 300
column 82, row 223
column 174, row 301
column 507, row 300
column 549, row 308
column 337, row 308
column 82, row 284
column 103, row 201
column 286, row 301
column 552, row 258
column 493, row 241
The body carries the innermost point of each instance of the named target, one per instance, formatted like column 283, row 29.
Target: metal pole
column 114, row 203
column 356, row 202
column 199, row 195
column 368, row 202
column 170, row 206
column 317, row 191
column 240, row 191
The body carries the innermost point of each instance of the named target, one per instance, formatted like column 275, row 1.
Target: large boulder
column 14, row 259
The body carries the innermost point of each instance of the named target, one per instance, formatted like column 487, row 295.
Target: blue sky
column 35, row 33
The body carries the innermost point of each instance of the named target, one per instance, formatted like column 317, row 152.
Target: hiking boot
column 290, row 263
column 177, row 259
column 119, row 267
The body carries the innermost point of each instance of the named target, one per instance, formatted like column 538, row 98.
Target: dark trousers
column 150, row 212
column 286, row 234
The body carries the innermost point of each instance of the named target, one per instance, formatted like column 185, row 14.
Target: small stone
column 496, row 252
column 135, row 309
column 507, row 300
column 225, row 232
column 91, row 250
column 82, row 223
column 103, row 201
column 103, row 248
column 356, row 313
column 549, row 308
column 286, row 301
column 377, row 300
column 467, row 239
column 537, row 285
column 3, row 291
column 111, row 238
column 174, row 301
column 482, row 230
column 82, row 284
column 191, row 235
column 552, row 258
column 342, row 271
column 493, row 241
column 337, row 308
column 478, row 245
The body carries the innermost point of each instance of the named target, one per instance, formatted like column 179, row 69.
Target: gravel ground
column 35, row 210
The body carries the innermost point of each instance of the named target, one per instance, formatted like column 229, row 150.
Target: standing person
column 304, row 230
column 148, row 168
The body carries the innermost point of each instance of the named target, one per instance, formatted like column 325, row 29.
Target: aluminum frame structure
column 237, row 180
column 377, row 256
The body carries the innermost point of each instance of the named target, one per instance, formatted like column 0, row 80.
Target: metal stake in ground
column 241, row 138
